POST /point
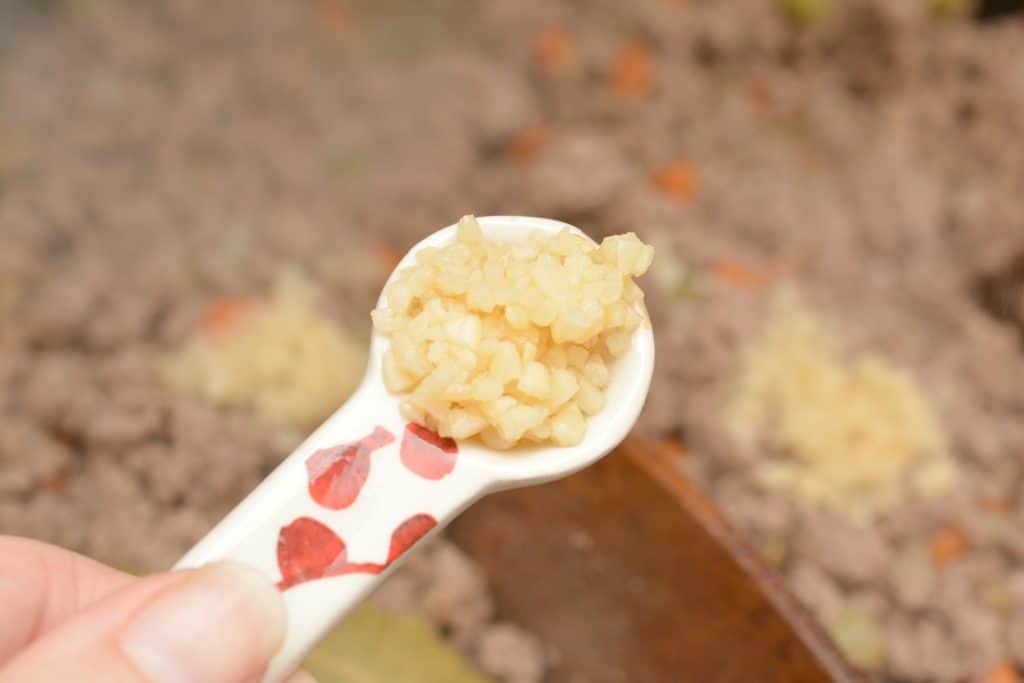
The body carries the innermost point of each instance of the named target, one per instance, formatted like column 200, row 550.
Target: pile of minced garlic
column 279, row 356
column 511, row 342
column 860, row 433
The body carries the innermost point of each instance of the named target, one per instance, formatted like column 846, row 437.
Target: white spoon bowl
column 328, row 558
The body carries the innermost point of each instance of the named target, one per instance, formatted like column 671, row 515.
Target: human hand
column 67, row 618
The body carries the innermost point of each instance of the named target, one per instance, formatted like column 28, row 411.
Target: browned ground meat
column 155, row 156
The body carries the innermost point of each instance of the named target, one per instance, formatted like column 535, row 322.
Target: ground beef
column 866, row 157
column 510, row 654
column 912, row 577
column 23, row 476
column 814, row 587
column 441, row 583
column 576, row 175
column 862, row 556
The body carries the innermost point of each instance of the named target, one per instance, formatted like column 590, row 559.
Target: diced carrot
column 224, row 315
column 762, row 95
column 333, row 15
column 527, row 143
column 1002, row 673
column 678, row 179
column 950, row 542
column 748, row 274
column 59, row 482
column 632, row 71
column 554, row 48
column 386, row 255
column 997, row 506
column 741, row 274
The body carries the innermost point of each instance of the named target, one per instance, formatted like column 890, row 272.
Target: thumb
column 221, row 623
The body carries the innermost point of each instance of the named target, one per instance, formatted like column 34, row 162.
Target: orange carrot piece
column 525, row 145
column 59, row 482
column 224, row 314
column 950, row 542
column 762, row 95
column 333, row 15
column 554, row 48
column 632, row 71
column 997, row 506
column 740, row 274
column 678, row 179
column 1002, row 673
column 386, row 255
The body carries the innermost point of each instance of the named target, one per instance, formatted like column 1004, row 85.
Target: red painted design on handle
column 408, row 533
column 307, row 550
column 337, row 474
column 426, row 453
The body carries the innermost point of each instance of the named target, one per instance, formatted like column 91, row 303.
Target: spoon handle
column 333, row 519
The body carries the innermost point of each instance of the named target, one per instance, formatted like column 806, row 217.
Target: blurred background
column 199, row 202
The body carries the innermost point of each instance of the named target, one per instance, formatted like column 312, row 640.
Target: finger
column 301, row 676
column 42, row 585
column 221, row 623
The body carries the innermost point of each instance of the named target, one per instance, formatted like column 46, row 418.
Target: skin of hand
column 68, row 618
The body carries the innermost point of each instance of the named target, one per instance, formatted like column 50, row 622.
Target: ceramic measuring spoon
column 337, row 514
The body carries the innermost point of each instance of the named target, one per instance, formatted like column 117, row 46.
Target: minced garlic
column 858, row 434
column 280, row 357
column 511, row 342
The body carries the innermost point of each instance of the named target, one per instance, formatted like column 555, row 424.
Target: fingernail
column 222, row 623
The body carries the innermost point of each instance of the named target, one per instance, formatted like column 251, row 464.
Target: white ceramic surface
column 329, row 559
